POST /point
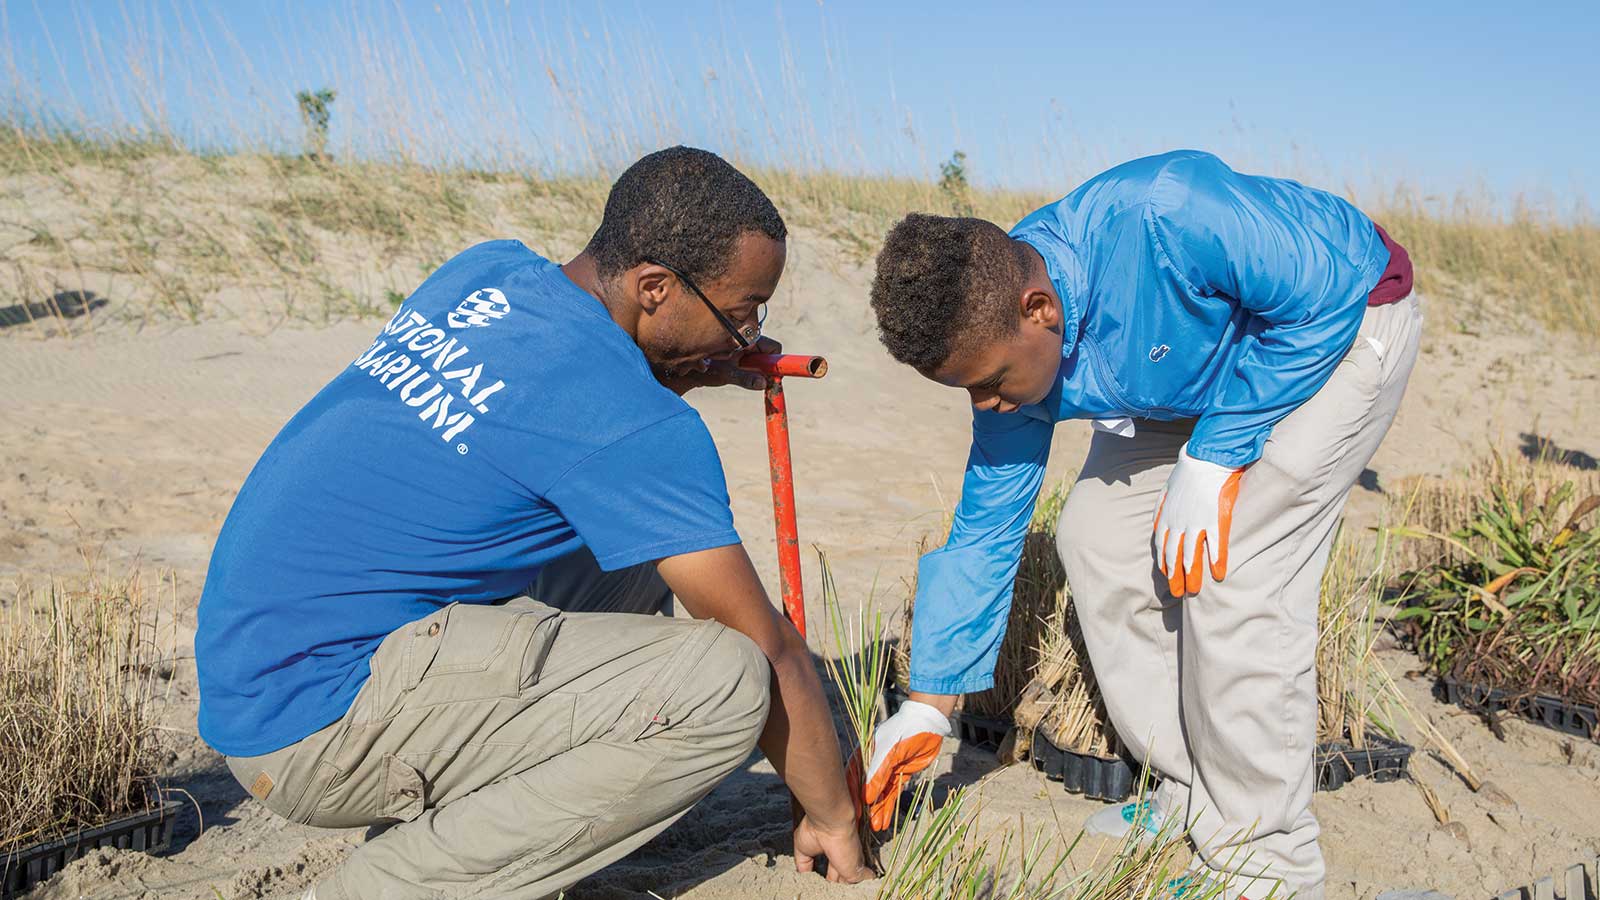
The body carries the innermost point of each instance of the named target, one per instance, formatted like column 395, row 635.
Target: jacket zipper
column 1112, row 388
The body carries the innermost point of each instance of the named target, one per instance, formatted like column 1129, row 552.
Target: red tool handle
column 775, row 366
column 778, row 365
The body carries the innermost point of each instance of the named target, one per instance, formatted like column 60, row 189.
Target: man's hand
column 717, row 372
column 841, row 845
column 1193, row 519
column 905, row 744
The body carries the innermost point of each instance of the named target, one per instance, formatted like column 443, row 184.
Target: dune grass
column 1529, row 263
column 167, row 233
column 171, row 235
column 1505, row 590
column 84, row 663
column 944, row 850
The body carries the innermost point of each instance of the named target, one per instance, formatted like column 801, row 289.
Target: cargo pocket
column 541, row 629
column 470, row 651
column 405, row 794
column 427, row 635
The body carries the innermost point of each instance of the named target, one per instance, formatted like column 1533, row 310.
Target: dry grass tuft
column 1351, row 694
column 1063, row 699
column 82, row 667
column 1431, row 509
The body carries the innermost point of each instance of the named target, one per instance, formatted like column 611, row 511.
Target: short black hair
column 684, row 207
column 944, row 284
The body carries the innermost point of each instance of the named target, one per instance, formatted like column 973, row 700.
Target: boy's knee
column 1075, row 534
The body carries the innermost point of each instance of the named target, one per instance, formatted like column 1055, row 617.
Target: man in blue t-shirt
column 429, row 603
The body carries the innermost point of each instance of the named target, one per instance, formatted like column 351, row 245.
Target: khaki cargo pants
column 522, row 745
column 1218, row 692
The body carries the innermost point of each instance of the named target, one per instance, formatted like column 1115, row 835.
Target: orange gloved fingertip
column 1175, row 578
column 1219, row 568
column 1191, row 580
column 883, row 811
column 881, row 817
column 1225, row 504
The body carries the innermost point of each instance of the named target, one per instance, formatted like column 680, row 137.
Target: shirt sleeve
column 964, row 588
column 655, row 493
column 1226, row 236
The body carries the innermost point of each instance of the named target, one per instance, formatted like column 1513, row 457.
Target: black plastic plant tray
column 1577, row 886
column 974, row 731
column 1108, row 778
column 1112, row 778
column 23, row 869
column 1382, row 759
column 1575, row 719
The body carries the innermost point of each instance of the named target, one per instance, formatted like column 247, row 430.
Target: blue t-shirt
column 501, row 419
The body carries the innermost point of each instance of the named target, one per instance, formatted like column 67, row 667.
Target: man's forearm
column 722, row 584
column 800, row 739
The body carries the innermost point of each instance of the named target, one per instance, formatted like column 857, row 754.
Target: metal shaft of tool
column 775, row 367
column 788, row 530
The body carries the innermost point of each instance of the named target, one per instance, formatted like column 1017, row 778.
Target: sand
column 136, row 440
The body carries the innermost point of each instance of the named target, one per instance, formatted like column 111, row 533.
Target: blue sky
column 1441, row 96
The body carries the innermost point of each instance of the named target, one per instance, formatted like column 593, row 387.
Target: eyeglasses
column 744, row 337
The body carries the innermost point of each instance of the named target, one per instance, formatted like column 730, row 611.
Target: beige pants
column 1218, row 692
column 522, row 745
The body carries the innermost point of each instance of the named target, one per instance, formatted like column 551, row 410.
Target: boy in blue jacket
column 1241, row 345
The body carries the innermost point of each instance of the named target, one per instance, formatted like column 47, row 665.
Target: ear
column 650, row 284
column 1041, row 307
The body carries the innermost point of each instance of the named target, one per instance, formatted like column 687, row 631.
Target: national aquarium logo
column 480, row 308
column 428, row 370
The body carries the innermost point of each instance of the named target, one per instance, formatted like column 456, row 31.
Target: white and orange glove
column 1192, row 522
column 905, row 744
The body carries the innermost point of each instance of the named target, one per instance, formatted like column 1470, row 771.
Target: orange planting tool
column 776, row 367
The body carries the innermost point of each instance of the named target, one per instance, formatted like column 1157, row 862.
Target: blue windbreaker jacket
column 1189, row 291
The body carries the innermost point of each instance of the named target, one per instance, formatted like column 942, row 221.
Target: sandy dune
column 136, row 441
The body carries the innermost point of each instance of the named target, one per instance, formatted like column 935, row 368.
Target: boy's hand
column 841, row 845
column 905, row 744
column 1193, row 519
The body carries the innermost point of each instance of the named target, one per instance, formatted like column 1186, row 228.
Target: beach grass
column 84, row 666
